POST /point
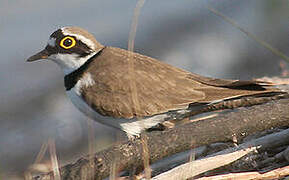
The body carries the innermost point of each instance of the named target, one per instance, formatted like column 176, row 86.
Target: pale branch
column 273, row 174
column 270, row 141
column 191, row 169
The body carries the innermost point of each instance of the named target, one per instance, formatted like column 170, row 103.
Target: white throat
column 69, row 62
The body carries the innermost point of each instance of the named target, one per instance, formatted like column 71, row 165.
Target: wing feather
column 160, row 87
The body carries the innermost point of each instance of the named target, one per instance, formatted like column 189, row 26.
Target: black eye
column 67, row 42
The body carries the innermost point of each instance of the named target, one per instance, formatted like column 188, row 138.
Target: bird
column 98, row 80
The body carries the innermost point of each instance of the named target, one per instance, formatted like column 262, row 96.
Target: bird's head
column 69, row 47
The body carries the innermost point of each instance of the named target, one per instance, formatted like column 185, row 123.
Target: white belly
column 130, row 126
column 88, row 111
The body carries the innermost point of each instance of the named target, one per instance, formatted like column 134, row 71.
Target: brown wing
column 160, row 87
column 228, row 82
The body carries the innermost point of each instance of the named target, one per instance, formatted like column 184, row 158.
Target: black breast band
column 71, row 79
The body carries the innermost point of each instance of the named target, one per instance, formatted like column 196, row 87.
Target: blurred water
column 183, row 33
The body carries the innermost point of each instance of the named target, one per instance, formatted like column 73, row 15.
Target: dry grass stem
column 250, row 35
column 53, row 158
column 113, row 171
column 27, row 175
column 91, row 148
column 36, row 166
column 145, row 156
column 131, row 39
column 134, row 23
column 41, row 153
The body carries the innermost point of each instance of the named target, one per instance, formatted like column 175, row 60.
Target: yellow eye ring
column 67, row 42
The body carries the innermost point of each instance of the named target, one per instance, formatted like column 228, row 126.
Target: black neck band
column 71, row 79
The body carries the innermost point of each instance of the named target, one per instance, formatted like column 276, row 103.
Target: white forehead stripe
column 85, row 40
column 51, row 41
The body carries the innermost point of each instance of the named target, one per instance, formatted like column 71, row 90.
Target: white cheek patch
column 51, row 42
column 69, row 62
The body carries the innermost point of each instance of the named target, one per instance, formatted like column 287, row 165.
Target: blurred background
column 183, row 33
